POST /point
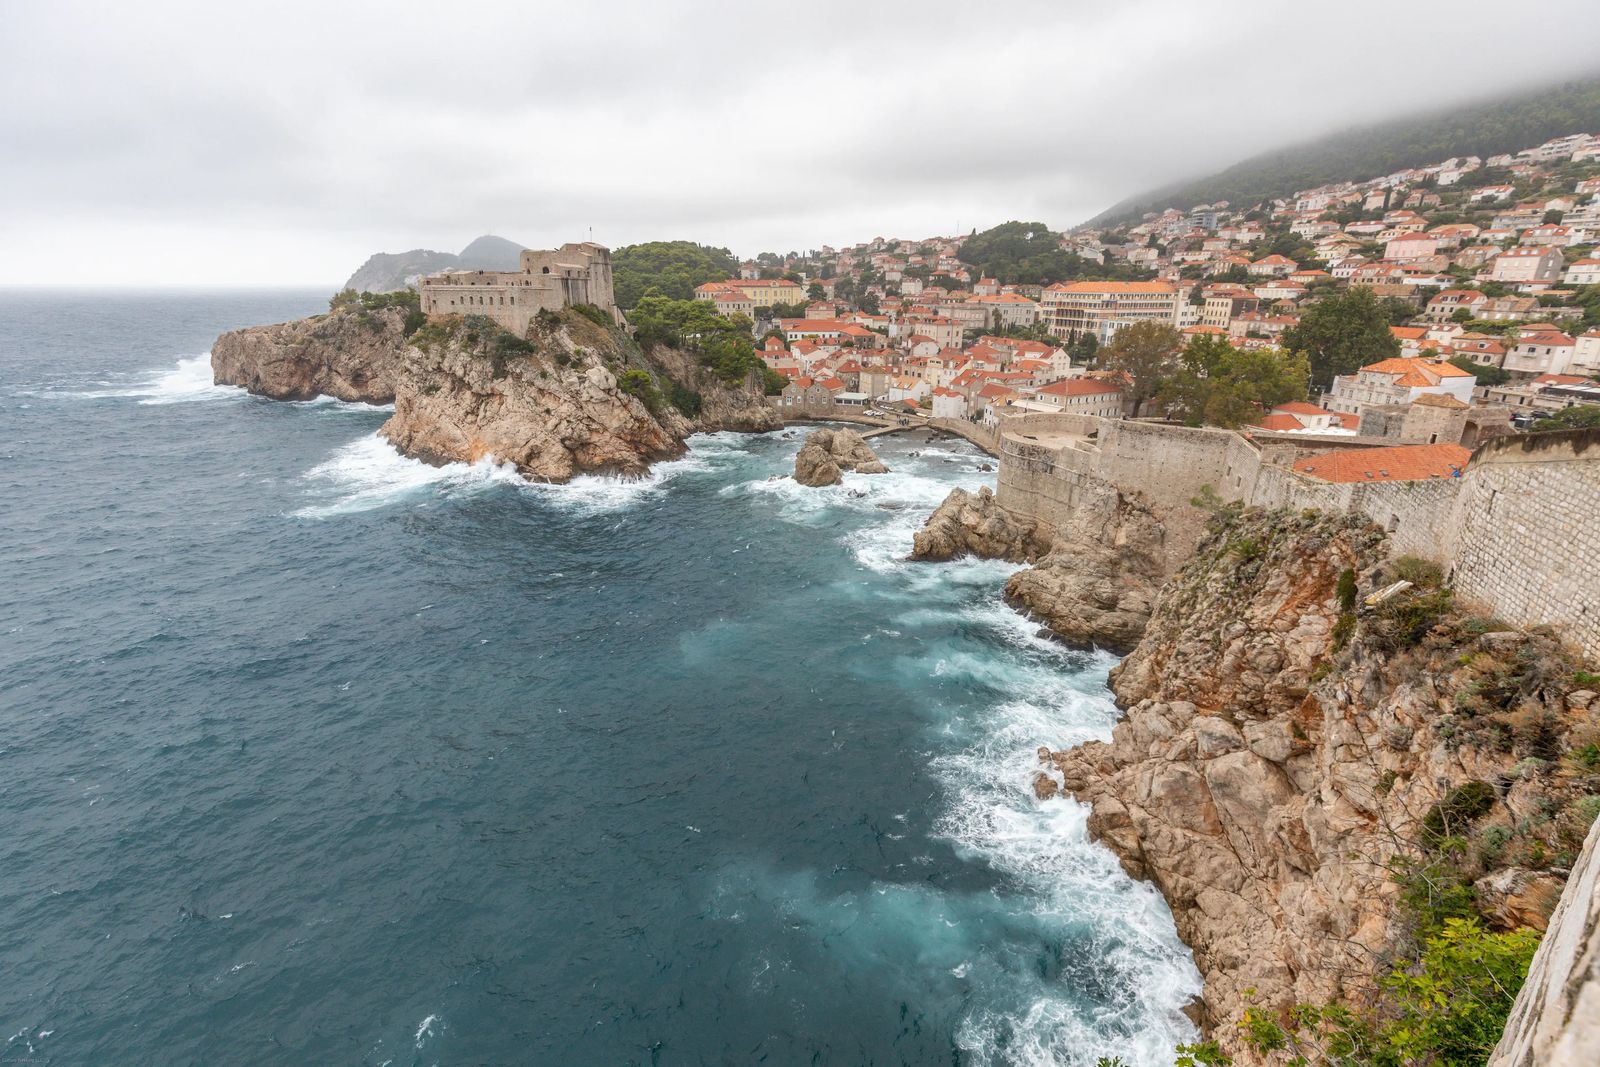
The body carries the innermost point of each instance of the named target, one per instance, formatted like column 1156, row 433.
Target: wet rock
column 974, row 524
column 827, row 454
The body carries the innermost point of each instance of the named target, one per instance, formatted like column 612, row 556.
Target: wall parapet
column 1517, row 532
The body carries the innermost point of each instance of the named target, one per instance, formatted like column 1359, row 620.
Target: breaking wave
column 370, row 473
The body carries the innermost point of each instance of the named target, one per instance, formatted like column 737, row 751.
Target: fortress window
column 547, row 270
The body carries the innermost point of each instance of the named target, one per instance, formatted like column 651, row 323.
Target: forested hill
column 1505, row 125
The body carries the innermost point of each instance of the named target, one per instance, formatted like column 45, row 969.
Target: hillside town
column 1484, row 271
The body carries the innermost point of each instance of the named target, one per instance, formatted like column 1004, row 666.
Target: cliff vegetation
column 1360, row 799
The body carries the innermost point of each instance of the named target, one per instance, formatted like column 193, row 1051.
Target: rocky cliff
column 1295, row 765
column 574, row 396
column 354, row 354
column 1094, row 577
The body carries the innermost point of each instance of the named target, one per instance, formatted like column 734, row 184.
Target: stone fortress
column 1516, row 527
column 550, row 279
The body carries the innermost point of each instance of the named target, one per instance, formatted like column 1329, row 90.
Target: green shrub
column 638, row 383
column 1346, row 590
column 1420, row 572
column 1587, row 809
column 1452, row 1006
column 1404, row 620
column 1202, row 1054
column 593, row 314
column 1343, row 628
column 1466, row 802
column 685, row 399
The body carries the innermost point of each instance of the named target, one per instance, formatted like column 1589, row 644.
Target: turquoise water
column 310, row 753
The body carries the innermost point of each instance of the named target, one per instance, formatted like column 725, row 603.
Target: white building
column 1397, row 381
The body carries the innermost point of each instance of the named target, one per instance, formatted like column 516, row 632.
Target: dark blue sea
column 313, row 754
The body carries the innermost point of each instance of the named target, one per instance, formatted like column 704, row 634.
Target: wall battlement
column 548, row 280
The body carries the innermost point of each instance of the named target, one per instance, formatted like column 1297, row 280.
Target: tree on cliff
column 1341, row 333
column 1217, row 384
column 723, row 344
column 1147, row 352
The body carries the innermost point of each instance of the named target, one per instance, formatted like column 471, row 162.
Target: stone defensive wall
column 1518, row 532
column 1524, row 535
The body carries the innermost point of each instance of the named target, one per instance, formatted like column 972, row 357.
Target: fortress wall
column 1165, row 465
column 1525, row 533
column 1519, row 532
column 1043, row 482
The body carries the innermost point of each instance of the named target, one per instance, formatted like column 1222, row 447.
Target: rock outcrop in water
column 826, row 454
column 1094, row 577
column 553, row 404
column 1098, row 582
column 350, row 355
column 974, row 524
column 1288, row 751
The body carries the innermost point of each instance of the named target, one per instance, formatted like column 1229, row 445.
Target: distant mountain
column 1505, row 125
column 384, row 272
column 491, row 253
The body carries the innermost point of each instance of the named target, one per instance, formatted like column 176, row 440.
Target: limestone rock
column 459, row 400
column 1516, row 896
column 1098, row 583
column 815, row 466
column 349, row 355
column 1253, row 780
column 974, row 524
column 826, row 454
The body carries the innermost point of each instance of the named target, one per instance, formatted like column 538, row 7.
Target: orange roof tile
column 1402, row 463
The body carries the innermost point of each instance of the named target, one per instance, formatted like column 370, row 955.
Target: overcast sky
column 240, row 143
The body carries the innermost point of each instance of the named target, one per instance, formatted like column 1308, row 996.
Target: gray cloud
column 283, row 142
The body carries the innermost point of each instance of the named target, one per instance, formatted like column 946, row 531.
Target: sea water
column 312, row 753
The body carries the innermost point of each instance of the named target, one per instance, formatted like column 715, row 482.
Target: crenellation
column 548, row 280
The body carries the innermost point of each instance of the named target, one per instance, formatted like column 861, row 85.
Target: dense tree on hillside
column 673, row 268
column 1028, row 253
column 1216, row 384
column 1340, row 333
column 1483, row 130
column 1147, row 352
column 723, row 343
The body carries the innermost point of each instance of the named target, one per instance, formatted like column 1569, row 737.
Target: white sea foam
column 369, row 473
column 186, row 382
column 335, row 404
column 1130, row 974
column 1057, row 698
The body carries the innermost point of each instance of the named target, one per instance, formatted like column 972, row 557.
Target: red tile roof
column 1402, row 463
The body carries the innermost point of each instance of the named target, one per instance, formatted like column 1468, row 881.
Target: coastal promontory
column 575, row 394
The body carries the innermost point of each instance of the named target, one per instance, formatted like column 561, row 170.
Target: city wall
column 1518, row 532
column 1525, row 532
